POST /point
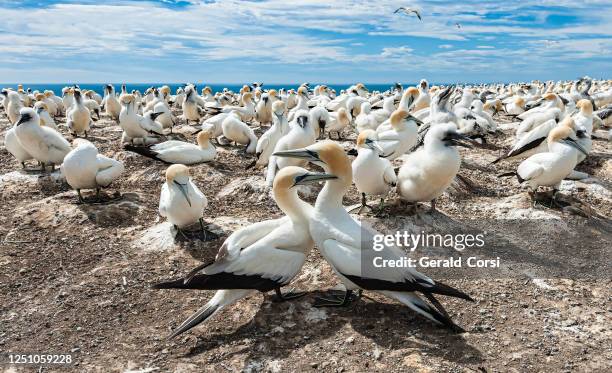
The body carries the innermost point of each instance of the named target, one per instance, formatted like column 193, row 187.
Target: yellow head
column 272, row 93
column 127, row 98
column 302, row 91
column 40, row 97
column 585, row 106
column 278, row 107
column 559, row 133
column 364, row 135
column 176, row 171
column 550, row 96
column 203, row 137
column 397, row 117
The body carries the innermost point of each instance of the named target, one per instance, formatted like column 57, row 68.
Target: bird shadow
column 387, row 325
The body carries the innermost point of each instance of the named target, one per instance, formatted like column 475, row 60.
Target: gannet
column 538, row 119
column 383, row 114
column 267, row 142
column 68, row 98
column 534, row 141
column 550, row 168
column 110, row 102
column 372, row 174
column 320, row 119
column 239, row 132
column 301, row 134
column 13, row 106
column 423, row 100
column 407, row 10
column 338, row 120
column 78, row 117
column 136, row 126
column 401, row 137
column 14, row 147
column 84, row 168
column 366, row 119
column 180, row 152
column 302, row 103
column 516, row 107
column 430, row 170
column 46, row 145
column 191, row 110
column 247, row 111
column 262, row 257
column 263, row 109
column 181, row 201
column 45, row 118
column 338, row 236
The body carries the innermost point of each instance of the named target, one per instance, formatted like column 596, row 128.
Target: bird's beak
column 313, row 177
column 304, row 154
column 571, row 142
column 374, row 145
column 453, row 139
column 183, row 189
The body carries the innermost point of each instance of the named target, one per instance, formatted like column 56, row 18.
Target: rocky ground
column 75, row 278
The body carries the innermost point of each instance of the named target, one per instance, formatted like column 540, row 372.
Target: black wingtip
column 443, row 289
column 173, row 284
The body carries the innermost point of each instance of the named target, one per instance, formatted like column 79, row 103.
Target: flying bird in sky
column 408, row 11
column 458, row 25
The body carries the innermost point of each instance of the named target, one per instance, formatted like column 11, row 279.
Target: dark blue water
column 98, row 87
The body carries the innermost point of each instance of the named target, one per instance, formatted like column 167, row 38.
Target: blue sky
column 282, row 41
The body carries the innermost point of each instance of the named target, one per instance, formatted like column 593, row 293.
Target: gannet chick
column 339, row 238
column 84, row 168
column 301, row 134
column 267, row 142
column 237, row 131
column 550, row 168
column 180, row 201
column 179, row 152
column 79, row 117
column 111, row 105
column 401, row 137
column 45, row 118
column 338, row 120
column 372, row 174
column 430, row 170
column 262, row 257
column 44, row 144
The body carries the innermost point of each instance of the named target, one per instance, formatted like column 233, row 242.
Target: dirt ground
column 75, row 278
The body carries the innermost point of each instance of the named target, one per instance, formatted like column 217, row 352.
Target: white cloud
column 445, row 46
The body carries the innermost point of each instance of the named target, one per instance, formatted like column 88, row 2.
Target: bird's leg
column 85, row 132
column 364, row 205
column 202, row 228
column 433, row 205
column 339, row 302
column 43, row 167
column 81, row 200
column 280, row 297
column 52, row 167
column 98, row 194
column 23, row 165
column 553, row 201
column 178, row 230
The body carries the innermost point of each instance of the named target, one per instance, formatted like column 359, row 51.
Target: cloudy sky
column 284, row 41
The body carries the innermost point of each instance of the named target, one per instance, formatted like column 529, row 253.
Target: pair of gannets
column 338, row 236
column 262, row 257
column 180, row 152
column 44, row 144
column 400, row 137
column 84, row 168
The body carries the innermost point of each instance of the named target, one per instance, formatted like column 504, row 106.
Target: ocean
column 99, row 87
